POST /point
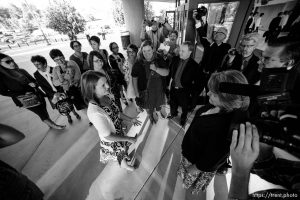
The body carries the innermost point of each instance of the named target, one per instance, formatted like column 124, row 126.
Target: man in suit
column 187, row 81
column 44, row 78
column 250, row 64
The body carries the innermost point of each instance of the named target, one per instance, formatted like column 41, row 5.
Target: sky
column 100, row 9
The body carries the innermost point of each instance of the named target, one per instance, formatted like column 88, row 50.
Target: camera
column 275, row 92
column 202, row 11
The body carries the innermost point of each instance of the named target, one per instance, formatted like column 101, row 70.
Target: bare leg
column 125, row 165
column 220, row 187
column 69, row 118
column 51, row 124
column 76, row 114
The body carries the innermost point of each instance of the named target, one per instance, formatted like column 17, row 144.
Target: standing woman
column 205, row 146
column 132, row 51
column 95, row 44
column 148, row 75
column 116, row 61
column 81, row 58
column 97, row 63
column 106, row 117
column 15, row 82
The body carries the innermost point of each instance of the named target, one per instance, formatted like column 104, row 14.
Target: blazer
column 236, row 63
column 251, row 71
column 192, row 79
column 46, row 87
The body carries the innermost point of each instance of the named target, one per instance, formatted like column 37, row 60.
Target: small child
column 64, row 106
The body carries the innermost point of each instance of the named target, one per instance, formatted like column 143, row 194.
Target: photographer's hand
column 244, row 151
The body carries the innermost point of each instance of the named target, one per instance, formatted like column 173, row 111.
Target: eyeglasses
column 246, row 46
column 98, row 61
column 115, row 47
column 8, row 61
column 59, row 59
column 77, row 45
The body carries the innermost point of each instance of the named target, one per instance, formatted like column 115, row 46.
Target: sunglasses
column 8, row 61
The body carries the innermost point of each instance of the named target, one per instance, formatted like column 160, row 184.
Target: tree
column 63, row 18
column 118, row 13
column 149, row 12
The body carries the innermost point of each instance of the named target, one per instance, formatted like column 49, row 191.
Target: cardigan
column 207, row 141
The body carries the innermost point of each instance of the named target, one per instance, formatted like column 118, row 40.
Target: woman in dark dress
column 15, row 82
column 95, row 44
column 205, row 146
column 116, row 61
column 149, row 76
column 81, row 58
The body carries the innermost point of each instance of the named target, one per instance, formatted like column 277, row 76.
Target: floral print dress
column 115, row 151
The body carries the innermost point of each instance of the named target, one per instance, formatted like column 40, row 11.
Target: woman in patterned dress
column 106, row 117
column 97, row 63
column 205, row 146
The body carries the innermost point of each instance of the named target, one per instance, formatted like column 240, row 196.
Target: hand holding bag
column 30, row 99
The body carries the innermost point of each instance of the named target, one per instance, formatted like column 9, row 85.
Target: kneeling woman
column 105, row 115
column 205, row 146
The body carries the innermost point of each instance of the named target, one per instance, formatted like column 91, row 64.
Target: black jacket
column 12, row 88
column 207, row 141
column 251, row 71
column 213, row 54
column 236, row 63
column 46, row 87
column 192, row 79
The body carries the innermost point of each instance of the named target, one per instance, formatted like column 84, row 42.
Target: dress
column 206, row 146
column 150, row 84
column 130, row 93
column 106, row 120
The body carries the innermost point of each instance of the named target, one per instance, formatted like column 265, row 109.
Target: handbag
column 29, row 100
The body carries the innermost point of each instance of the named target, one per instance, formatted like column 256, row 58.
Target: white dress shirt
column 48, row 76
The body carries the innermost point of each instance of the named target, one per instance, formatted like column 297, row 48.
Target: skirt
column 113, row 151
column 197, row 181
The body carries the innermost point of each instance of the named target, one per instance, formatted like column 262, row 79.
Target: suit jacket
column 251, row 71
column 46, row 87
column 192, row 79
column 236, row 63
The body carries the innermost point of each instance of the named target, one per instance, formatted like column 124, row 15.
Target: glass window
column 220, row 15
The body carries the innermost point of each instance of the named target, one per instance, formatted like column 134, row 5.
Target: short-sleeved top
column 101, row 121
column 141, row 70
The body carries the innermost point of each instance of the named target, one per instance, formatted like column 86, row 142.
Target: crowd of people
column 149, row 77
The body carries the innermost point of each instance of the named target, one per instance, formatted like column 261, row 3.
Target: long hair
column 140, row 55
column 98, row 55
column 88, row 83
column 15, row 74
column 229, row 102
